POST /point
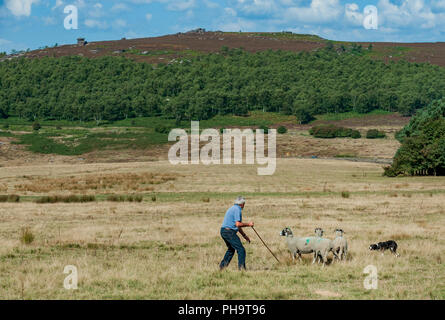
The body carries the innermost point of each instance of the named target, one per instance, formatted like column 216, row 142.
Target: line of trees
column 229, row 82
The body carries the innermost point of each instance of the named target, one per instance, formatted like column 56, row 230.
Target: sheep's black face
column 285, row 232
column 339, row 232
column 319, row 232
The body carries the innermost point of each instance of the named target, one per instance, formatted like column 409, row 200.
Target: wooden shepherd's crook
column 266, row 245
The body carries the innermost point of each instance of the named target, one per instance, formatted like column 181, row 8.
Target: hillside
column 94, row 99
column 169, row 47
column 232, row 81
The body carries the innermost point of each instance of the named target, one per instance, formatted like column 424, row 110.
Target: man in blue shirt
column 231, row 225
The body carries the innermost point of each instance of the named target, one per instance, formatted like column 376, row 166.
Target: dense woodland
column 229, row 82
column 423, row 144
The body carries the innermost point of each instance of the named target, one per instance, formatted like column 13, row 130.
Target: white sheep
column 340, row 244
column 298, row 245
column 322, row 247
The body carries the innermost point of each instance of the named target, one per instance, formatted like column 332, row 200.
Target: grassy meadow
column 168, row 246
column 140, row 139
column 72, row 138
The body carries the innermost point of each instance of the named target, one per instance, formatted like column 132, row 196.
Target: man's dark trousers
column 233, row 244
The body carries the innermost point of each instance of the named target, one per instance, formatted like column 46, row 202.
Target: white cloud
column 181, row 5
column 390, row 13
column 148, row 16
column 438, row 4
column 131, row 35
column 409, row 13
column 190, row 14
column 120, row 7
column 96, row 11
column 287, row 2
column 213, row 5
column 319, row 11
column 20, row 7
column 92, row 23
column 58, row 4
column 353, row 14
column 173, row 5
column 4, row 42
column 49, row 21
column 147, row 1
column 120, row 23
column 257, row 7
column 237, row 25
column 230, row 12
column 80, row 3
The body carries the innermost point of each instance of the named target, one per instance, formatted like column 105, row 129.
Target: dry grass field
column 168, row 246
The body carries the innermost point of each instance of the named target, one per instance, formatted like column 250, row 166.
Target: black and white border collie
column 390, row 245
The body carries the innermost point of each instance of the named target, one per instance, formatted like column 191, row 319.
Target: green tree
column 36, row 126
column 423, row 144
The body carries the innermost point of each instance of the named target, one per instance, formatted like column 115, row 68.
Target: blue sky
column 37, row 23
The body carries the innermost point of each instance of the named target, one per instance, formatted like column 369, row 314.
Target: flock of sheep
column 317, row 245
